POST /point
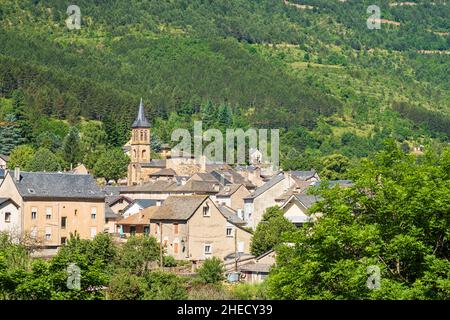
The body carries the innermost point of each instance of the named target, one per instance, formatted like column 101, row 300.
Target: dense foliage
column 395, row 218
column 318, row 74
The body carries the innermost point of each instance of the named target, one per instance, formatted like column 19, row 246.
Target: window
column 175, row 247
column 229, row 231
column 48, row 213
column 76, row 211
column 63, row 240
column 175, row 228
column 207, row 249
column 93, row 213
column 63, row 222
column 33, row 213
column 7, row 217
column 146, row 230
column 145, row 135
column 142, row 135
column 206, row 212
column 93, row 232
column 132, row 230
column 48, row 233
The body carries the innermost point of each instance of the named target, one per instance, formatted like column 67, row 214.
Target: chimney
column 217, row 187
column 158, row 203
column 17, row 174
column 183, row 181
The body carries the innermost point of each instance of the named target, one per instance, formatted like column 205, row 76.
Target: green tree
column 335, row 167
column 395, row 218
column 93, row 136
column 269, row 231
column 10, row 135
column 44, row 160
column 138, row 253
column 165, row 286
column 125, row 286
column 112, row 165
column 212, row 271
column 72, row 148
column 21, row 157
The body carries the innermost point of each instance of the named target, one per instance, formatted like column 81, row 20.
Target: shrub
column 124, row 286
column 211, row 271
column 165, row 286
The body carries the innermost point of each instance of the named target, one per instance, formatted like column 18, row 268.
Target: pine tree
column 209, row 115
column 71, row 147
column 224, row 116
column 10, row 135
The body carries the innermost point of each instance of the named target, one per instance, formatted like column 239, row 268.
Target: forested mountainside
column 309, row 67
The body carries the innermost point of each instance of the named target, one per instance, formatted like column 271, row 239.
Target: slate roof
column 307, row 200
column 5, row 200
column 230, row 215
column 266, row 186
column 177, row 207
column 52, row 185
column 141, row 120
column 4, row 157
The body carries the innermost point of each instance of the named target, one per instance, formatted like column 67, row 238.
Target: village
column 195, row 210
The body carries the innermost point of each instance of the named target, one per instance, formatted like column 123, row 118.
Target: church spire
column 141, row 120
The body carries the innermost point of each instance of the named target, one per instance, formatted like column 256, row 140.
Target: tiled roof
column 57, row 186
column 266, row 186
column 109, row 214
column 5, row 200
column 230, row 215
column 177, row 207
column 256, row 267
column 199, row 187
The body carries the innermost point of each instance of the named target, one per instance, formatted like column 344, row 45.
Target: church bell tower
column 140, row 146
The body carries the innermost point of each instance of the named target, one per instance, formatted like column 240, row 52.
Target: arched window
column 144, row 154
column 145, row 135
column 134, row 154
column 142, row 135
